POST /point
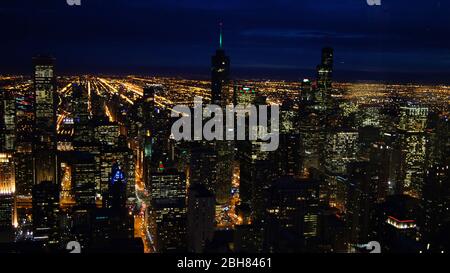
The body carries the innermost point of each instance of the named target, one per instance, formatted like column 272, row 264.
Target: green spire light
column 221, row 36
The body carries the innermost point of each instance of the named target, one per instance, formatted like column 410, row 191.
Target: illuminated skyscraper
column 106, row 159
column 7, row 174
column 83, row 131
column 112, row 225
column 203, row 164
column 46, row 212
column 117, row 189
column 84, row 178
column 307, row 96
column 168, row 219
column 293, row 212
column 341, row 148
column 7, row 190
column 6, row 212
column 413, row 118
column 45, row 118
column 413, row 163
column 7, row 120
column 324, row 77
column 288, row 153
column 220, row 74
column 413, row 145
column 24, row 142
column 155, row 132
column 106, row 133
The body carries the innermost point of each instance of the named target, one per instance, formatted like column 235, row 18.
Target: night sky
column 404, row 40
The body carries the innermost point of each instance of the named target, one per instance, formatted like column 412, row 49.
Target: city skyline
column 222, row 162
column 403, row 41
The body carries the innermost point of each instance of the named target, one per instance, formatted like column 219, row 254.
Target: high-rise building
column 201, row 215
column 307, row 95
column 436, row 207
column 288, row 153
column 83, row 129
column 84, row 178
column 361, row 197
column 256, row 172
column 293, row 208
column 6, row 212
column 46, row 212
column 7, row 174
column 7, row 190
column 324, row 77
column 151, row 130
column 168, row 221
column 412, row 147
column 397, row 226
column 341, row 148
column 413, row 118
column 7, row 121
column 312, row 140
column 45, row 120
column 116, row 196
column 412, row 150
column 112, row 226
column 107, row 157
column 220, row 75
column 203, row 164
column 225, row 157
column 24, row 142
column 106, row 133
column 168, row 184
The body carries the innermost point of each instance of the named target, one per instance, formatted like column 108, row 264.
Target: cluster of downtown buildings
column 116, row 181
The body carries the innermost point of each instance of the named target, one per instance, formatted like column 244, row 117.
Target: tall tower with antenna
column 220, row 73
column 221, row 94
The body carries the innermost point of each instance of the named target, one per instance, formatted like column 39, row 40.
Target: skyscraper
column 221, row 94
column 413, row 148
column 7, row 120
column 112, row 225
column 220, row 74
column 24, row 142
column 7, row 174
column 83, row 178
column 202, row 164
column 7, row 190
column 6, row 212
column 46, row 212
column 45, row 120
column 436, row 206
column 83, row 131
column 324, row 77
column 201, row 214
column 168, row 210
column 293, row 208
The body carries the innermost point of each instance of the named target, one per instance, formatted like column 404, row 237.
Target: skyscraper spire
column 220, row 35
